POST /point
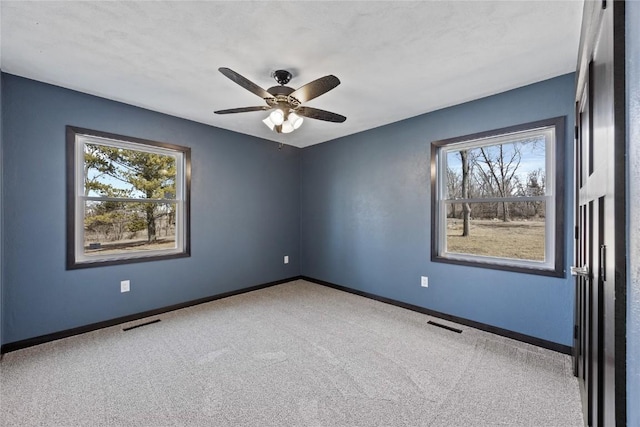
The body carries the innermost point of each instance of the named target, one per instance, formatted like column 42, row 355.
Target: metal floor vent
column 141, row 324
column 449, row 328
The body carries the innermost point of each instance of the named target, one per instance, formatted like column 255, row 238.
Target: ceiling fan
column 286, row 102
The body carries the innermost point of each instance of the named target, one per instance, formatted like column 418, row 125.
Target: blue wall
column 633, row 143
column 244, row 213
column 365, row 217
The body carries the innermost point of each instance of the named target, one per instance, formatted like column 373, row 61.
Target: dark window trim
column 71, row 132
column 560, row 148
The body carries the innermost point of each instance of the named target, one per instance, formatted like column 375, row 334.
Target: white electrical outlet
column 424, row 282
column 286, row 259
column 125, row 286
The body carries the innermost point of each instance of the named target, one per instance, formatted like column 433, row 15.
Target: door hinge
column 576, row 331
column 603, row 263
column 575, row 131
column 604, row 4
column 576, row 232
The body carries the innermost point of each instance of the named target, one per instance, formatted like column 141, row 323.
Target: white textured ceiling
column 395, row 59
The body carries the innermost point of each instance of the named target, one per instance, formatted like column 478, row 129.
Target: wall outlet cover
column 125, row 286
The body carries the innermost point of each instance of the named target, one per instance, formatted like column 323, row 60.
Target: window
column 498, row 199
column 127, row 199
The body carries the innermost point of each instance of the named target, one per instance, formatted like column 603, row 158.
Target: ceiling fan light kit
column 286, row 102
column 282, row 122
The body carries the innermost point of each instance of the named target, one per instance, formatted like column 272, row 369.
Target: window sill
column 494, row 265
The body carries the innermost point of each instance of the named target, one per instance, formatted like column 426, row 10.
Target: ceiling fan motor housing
column 281, row 97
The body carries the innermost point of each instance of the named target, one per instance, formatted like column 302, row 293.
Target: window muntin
column 505, row 183
column 128, row 199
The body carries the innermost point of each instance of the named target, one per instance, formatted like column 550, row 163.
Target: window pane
column 500, row 170
column 521, row 236
column 126, row 173
column 122, row 227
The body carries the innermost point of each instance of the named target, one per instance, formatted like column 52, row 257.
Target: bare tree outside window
column 466, row 209
column 497, row 173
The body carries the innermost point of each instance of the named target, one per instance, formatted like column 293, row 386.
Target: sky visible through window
column 520, row 158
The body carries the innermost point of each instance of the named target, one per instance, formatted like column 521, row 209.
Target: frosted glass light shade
column 295, row 120
column 277, row 117
column 269, row 123
column 287, row 127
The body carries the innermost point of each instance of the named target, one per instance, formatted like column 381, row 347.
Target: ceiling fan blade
column 315, row 113
column 245, row 83
column 315, row 88
column 243, row 110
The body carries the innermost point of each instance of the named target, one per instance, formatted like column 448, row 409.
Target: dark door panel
column 599, row 347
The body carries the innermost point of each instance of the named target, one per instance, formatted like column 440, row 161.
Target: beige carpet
column 296, row 354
